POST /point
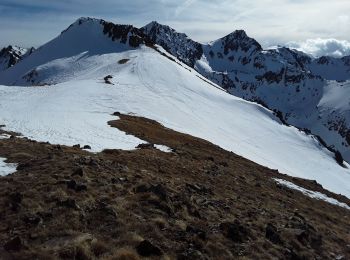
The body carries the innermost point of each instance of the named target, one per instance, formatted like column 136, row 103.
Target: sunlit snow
column 312, row 194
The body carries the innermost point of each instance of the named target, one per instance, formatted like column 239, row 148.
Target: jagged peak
column 157, row 24
column 238, row 34
column 238, row 39
column 153, row 23
column 155, row 27
column 82, row 20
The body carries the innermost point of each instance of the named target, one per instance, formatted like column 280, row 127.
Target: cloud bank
column 323, row 47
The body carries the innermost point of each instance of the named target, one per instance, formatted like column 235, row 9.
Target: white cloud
column 323, row 47
column 183, row 7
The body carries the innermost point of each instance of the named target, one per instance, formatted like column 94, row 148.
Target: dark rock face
column 126, row 33
column 178, row 44
column 271, row 77
column 323, row 60
column 346, row 60
column 9, row 56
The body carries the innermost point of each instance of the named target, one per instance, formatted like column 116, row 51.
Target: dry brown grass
column 197, row 202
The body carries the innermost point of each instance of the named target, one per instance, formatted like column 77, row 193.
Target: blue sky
column 271, row 22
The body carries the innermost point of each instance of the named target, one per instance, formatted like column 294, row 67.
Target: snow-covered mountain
column 293, row 84
column 11, row 55
column 144, row 79
column 53, row 61
column 331, row 68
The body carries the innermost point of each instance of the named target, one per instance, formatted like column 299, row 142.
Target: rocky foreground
column 197, row 202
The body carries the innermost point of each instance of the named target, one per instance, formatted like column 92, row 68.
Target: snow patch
column 6, row 168
column 4, row 136
column 163, row 148
column 312, row 194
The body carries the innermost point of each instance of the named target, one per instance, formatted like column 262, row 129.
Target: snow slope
column 77, row 110
column 285, row 80
column 86, row 37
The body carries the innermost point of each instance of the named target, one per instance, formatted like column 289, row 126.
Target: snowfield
column 78, row 108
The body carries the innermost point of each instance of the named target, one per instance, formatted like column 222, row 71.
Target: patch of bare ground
column 198, row 202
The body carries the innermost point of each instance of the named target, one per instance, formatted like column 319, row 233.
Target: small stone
column 32, row 220
column 71, row 184
column 235, row 231
column 14, row 244
column 147, row 249
column 16, row 197
column 79, row 171
column 200, row 233
column 145, row 146
column 69, row 203
column 87, row 147
column 80, row 187
column 271, row 233
column 160, row 191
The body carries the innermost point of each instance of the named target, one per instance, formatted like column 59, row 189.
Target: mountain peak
column 237, row 34
column 155, row 27
column 82, row 20
column 178, row 44
column 239, row 40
